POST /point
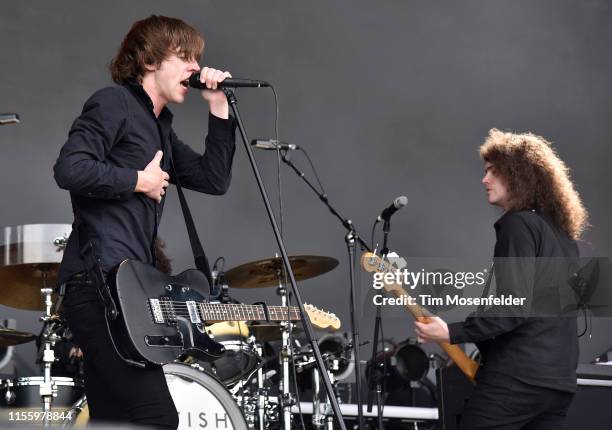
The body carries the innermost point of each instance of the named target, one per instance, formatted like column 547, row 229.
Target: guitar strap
column 201, row 262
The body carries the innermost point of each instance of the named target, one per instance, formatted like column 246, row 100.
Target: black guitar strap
column 201, row 262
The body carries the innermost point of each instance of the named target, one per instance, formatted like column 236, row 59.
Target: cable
column 316, row 175
column 280, row 204
column 278, row 162
column 373, row 233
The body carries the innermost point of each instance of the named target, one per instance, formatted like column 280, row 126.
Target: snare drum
column 23, row 395
column 240, row 359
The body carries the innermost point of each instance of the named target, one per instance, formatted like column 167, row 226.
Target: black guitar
column 163, row 317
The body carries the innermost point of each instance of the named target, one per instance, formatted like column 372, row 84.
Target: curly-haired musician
column 528, row 376
column 116, row 165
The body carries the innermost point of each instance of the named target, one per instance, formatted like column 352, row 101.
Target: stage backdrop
column 389, row 98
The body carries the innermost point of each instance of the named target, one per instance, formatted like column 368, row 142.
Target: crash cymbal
column 30, row 254
column 270, row 332
column 10, row 337
column 266, row 273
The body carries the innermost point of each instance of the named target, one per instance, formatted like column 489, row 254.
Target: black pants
column 116, row 391
column 503, row 403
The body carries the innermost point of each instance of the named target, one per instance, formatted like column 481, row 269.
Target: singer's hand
column 216, row 99
column 153, row 181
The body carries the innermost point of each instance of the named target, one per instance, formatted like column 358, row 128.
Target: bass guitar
column 371, row 262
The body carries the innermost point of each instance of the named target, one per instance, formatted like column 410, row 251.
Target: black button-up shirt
column 116, row 135
column 530, row 257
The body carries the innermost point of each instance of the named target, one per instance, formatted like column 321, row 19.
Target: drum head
column 201, row 400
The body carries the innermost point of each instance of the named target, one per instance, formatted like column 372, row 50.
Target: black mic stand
column 308, row 330
column 350, row 239
column 375, row 376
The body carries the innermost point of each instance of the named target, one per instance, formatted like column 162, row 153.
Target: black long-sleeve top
column 541, row 351
column 116, row 135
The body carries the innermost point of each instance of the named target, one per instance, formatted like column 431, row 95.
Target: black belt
column 80, row 280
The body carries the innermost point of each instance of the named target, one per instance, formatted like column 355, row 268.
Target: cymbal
column 269, row 332
column 30, row 254
column 10, row 337
column 20, row 285
column 266, row 273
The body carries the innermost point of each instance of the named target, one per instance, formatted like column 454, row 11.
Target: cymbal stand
column 325, row 419
column 47, row 390
column 317, row 416
column 262, row 392
column 286, row 399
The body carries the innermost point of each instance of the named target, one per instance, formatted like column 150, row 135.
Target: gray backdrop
column 389, row 98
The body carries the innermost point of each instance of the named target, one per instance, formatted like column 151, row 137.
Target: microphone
column 272, row 144
column 397, row 204
column 9, row 118
column 194, row 82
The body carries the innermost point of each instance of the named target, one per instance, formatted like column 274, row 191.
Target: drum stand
column 49, row 337
column 321, row 420
column 286, row 399
column 262, row 393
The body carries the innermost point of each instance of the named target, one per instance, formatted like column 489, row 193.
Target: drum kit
column 249, row 387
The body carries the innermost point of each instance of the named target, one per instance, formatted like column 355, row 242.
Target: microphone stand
column 351, row 238
column 308, row 330
column 376, row 376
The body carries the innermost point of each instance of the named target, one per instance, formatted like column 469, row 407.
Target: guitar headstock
column 322, row 319
column 373, row 263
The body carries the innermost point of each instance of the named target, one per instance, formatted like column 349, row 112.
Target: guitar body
column 149, row 327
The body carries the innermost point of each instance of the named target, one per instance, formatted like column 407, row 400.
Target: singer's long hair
column 149, row 42
column 536, row 178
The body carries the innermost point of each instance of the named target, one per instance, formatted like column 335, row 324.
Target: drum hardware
column 339, row 352
column 286, row 399
column 269, row 332
column 240, row 359
column 29, row 262
column 47, row 389
column 322, row 418
column 9, row 395
column 406, row 364
column 262, row 393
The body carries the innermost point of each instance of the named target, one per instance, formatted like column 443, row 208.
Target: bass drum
column 200, row 399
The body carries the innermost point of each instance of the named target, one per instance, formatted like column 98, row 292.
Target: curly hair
column 149, row 42
column 536, row 178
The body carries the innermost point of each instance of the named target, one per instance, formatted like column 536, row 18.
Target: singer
column 116, row 164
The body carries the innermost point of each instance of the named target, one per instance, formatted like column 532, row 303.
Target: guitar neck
column 240, row 312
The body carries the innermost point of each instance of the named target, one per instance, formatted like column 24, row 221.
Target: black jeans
column 503, row 403
column 116, row 391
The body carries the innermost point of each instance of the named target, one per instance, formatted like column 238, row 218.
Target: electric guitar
column 163, row 317
column 371, row 262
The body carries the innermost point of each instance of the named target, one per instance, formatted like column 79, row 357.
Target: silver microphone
column 9, row 118
column 272, row 144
